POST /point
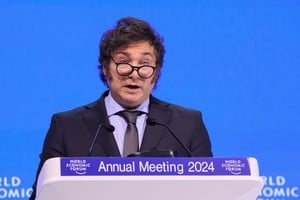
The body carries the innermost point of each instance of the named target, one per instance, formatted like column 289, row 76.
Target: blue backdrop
column 236, row 61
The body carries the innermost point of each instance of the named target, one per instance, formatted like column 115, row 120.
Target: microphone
column 108, row 127
column 152, row 122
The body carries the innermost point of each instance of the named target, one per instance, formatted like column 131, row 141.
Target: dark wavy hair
column 129, row 30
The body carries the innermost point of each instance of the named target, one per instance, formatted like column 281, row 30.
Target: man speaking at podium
column 127, row 120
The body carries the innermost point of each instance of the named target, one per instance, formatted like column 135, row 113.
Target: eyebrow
column 128, row 55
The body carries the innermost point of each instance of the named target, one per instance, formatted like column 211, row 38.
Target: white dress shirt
column 112, row 107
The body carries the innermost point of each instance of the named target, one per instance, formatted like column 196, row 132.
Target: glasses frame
column 134, row 68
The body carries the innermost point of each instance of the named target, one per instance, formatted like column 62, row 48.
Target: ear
column 104, row 71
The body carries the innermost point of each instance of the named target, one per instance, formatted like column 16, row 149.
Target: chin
column 131, row 104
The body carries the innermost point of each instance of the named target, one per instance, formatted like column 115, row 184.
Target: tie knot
column 129, row 116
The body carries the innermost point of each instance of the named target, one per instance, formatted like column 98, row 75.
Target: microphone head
column 151, row 121
column 109, row 128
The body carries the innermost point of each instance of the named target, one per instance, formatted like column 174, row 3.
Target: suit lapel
column 159, row 111
column 96, row 114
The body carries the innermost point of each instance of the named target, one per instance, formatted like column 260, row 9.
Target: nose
column 134, row 73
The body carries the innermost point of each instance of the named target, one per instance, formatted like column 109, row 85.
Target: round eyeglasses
column 125, row 69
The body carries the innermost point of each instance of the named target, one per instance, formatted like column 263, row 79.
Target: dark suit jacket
column 71, row 133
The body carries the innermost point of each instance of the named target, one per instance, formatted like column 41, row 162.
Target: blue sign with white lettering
column 153, row 166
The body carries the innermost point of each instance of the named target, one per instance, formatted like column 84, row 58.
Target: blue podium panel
column 149, row 178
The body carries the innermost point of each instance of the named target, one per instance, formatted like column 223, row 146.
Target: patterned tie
column 131, row 142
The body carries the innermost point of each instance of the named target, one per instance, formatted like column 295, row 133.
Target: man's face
column 131, row 91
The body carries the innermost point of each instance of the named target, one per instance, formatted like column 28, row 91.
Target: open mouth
column 132, row 86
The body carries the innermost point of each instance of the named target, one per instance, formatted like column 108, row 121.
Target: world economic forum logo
column 78, row 166
column 234, row 166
